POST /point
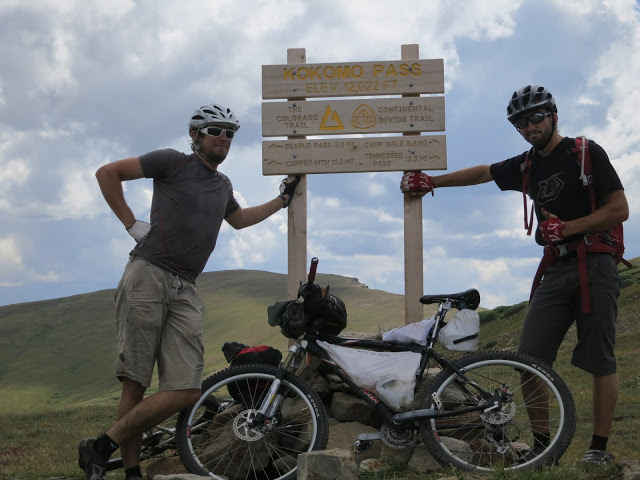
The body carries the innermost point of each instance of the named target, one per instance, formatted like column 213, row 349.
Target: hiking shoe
column 597, row 457
column 93, row 463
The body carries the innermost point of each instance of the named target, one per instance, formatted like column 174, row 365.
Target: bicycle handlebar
column 312, row 270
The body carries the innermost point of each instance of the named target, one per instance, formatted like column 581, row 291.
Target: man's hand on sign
column 416, row 183
column 287, row 189
column 551, row 229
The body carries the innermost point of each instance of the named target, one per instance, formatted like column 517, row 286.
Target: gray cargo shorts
column 556, row 305
column 159, row 319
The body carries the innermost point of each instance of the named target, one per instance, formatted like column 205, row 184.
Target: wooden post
column 297, row 211
column 413, row 271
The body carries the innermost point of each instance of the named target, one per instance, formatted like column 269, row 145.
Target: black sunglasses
column 533, row 118
column 217, row 131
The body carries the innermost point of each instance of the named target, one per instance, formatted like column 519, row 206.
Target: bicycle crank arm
column 370, row 436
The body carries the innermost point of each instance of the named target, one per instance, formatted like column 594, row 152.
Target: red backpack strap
column 582, row 147
column 525, row 168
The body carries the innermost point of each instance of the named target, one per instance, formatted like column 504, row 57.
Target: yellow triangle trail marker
column 331, row 117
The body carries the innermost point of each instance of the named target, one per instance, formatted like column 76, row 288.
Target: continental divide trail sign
column 409, row 114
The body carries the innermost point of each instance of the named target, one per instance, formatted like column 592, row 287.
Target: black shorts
column 556, row 305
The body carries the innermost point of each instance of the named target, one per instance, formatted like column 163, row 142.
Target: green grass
column 57, row 384
column 564, row 472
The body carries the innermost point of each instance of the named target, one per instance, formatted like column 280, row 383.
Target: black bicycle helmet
column 529, row 98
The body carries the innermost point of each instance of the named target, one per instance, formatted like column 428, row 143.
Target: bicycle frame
column 307, row 344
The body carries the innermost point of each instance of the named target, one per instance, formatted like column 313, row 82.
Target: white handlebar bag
column 413, row 332
column 391, row 375
column 461, row 333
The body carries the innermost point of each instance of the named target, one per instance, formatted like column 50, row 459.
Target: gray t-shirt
column 188, row 206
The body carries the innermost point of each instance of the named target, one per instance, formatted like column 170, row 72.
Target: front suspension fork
column 272, row 400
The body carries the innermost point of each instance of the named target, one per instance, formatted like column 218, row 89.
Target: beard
column 539, row 140
column 214, row 158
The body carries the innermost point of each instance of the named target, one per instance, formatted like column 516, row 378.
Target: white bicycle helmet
column 213, row 114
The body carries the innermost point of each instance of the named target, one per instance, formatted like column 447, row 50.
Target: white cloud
column 376, row 189
column 9, row 252
column 584, row 100
column 13, row 172
column 14, row 270
column 86, row 83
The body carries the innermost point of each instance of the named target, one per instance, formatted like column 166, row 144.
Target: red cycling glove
column 416, row 182
column 551, row 230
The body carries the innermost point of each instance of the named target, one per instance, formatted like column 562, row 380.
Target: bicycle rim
column 525, row 430
column 226, row 446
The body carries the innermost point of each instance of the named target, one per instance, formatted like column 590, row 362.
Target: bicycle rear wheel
column 531, row 425
column 216, row 437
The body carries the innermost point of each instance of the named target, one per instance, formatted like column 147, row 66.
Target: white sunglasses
column 217, row 131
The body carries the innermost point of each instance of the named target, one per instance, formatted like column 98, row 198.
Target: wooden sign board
column 379, row 154
column 352, row 79
column 387, row 115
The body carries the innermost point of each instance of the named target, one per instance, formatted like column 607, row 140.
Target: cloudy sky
column 83, row 83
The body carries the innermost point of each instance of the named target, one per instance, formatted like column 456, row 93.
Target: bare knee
column 186, row 398
column 194, row 395
column 132, row 390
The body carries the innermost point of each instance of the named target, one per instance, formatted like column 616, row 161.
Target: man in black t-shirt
column 565, row 215
column 158, row 311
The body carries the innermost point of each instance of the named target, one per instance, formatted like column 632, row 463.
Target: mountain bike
column 483, row 412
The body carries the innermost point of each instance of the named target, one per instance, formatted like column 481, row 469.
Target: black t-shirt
column 188, row 206
column 554, row 182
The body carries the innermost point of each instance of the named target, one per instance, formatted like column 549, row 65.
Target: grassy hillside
column 60, row 352
column 500, row 330
column 56, row 361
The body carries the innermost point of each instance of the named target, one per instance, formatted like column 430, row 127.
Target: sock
column 105, row 445
column 598, row 443
column 133, row 472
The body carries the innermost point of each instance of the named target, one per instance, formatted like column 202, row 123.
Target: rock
column 374, row 465
column 342, row 435
column 347, row 408
column 462, row 449
column 165, row 466
column 335, row 383
column 285, row 463
column 422, row 461
column 327, row 465
column 295, row 423
column 321, row 386
column 396, row 457
column 630, row 469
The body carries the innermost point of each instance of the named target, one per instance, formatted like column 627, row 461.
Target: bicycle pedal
column 364, row 442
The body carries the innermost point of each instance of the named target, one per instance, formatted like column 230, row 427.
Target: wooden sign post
column 409, row 114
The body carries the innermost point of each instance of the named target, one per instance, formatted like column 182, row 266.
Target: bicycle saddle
column 468, row 299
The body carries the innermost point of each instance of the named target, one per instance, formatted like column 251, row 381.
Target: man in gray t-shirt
column 158, row 312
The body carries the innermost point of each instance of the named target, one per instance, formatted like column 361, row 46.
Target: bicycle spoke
column 231, row 444
column 501, row 436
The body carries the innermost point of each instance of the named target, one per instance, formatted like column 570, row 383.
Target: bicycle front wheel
column 530, row 424
column 220, row 437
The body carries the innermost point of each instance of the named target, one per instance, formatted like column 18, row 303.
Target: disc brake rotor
column 500, row 417
column 242, row 426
